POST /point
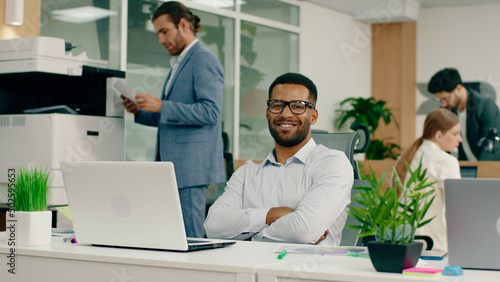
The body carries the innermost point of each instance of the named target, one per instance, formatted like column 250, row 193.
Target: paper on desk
column 64, row 210
column 322, row 250
column 63, row 232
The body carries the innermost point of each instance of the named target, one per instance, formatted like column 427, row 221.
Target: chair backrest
column 344, row 142
column 364, row 137
column 350, row 236
column 228, row 157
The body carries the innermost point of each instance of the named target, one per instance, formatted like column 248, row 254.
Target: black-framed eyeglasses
column 297, row 107
column 445, row 99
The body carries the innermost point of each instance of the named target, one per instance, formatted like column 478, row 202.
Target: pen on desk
column 70, row 239
column 282, row 254
column 356, row 254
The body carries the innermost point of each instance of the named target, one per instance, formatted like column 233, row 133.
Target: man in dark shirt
column 480, row 121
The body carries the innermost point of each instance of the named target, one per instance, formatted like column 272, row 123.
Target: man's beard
column 179, row 41
column 294, row 139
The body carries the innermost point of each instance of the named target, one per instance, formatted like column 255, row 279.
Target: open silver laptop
column 128, row 204
column 473, row 220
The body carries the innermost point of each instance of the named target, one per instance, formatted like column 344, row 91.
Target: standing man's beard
column 292, row 140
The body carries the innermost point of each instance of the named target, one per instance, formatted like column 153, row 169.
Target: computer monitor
column 468, row 171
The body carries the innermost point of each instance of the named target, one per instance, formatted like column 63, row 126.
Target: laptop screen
column 473, row 222
column 468, row 171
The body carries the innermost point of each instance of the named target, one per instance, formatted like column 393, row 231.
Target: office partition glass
column 217, row 35
column 265, row 54
column 272, row 9
column 92, row 27
column 148, row 64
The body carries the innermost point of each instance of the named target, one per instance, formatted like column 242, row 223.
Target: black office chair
column 364, row 137
column 216, row 189
column 228, row 157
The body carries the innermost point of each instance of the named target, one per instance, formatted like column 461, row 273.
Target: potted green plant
column 28, row 216
column 369, row 112
column 392, row 215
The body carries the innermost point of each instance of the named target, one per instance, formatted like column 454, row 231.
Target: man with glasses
column 479, row 116
column 300, row 192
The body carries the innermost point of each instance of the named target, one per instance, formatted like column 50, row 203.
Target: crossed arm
column 274, row 213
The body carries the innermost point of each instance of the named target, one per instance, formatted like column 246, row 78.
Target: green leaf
column 367, row 233
column 360, row 227
column 393, row 219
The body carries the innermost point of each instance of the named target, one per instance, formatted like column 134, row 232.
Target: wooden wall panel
column 393, row 78
column 408, row 112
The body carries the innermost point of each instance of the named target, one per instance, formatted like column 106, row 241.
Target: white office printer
column 56, row 107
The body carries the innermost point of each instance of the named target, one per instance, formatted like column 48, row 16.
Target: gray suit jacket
column 189, row 124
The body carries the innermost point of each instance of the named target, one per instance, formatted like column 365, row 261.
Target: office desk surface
column 342, row 268
column 243, row 262
column 63, row 261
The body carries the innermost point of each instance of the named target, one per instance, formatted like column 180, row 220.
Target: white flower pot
column 31, row 228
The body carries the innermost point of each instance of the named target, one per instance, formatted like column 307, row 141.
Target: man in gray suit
column 188, row 115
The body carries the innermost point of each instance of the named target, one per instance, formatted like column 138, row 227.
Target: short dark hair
column 296, row 78
column 176, row 11
column 444, row 80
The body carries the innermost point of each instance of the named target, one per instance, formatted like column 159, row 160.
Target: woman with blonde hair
column 441, row 135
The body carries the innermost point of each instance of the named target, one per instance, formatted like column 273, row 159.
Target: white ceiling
column 353, row 7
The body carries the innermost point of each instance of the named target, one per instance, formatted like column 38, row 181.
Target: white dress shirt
column 440, row 166
column 316, row 182
column 175, row 61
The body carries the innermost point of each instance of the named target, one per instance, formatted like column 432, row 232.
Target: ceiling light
column 219, row 3
column 82, row 14
column 14, row 12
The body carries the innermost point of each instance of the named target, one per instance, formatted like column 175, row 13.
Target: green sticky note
column 65, row 211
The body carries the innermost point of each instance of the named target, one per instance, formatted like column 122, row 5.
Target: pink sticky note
column 423, row 270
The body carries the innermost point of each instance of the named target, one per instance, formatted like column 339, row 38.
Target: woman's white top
column 440, row 165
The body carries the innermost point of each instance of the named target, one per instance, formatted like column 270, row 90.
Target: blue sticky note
column 453, row 270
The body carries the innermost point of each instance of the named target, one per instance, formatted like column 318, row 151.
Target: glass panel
column 148, row 64
column 93, row 26
column 258, row 71
column 273, row 10
column 217, row 35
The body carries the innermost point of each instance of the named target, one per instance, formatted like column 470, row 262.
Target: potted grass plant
column 392, row 215
column 33, row 222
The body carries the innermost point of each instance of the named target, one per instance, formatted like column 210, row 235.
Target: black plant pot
column 394, row 257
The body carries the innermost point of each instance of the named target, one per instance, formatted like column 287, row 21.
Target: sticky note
column 422, row 271
column 65, row 211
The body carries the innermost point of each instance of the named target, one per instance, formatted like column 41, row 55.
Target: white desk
column 72, row 262
column 341, row 268
column 243, row 262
